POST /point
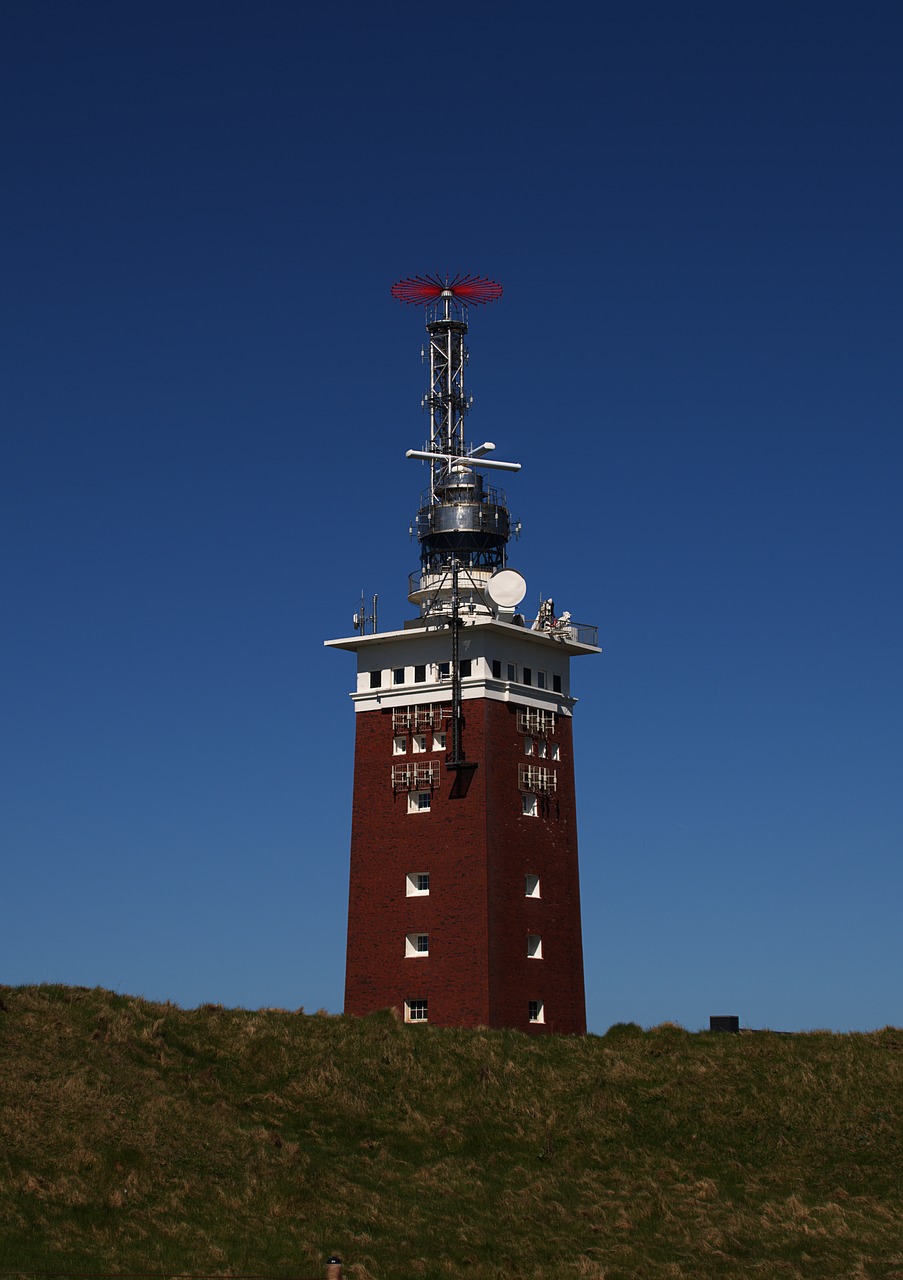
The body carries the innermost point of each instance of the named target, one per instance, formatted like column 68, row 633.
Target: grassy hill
column 143, row 1137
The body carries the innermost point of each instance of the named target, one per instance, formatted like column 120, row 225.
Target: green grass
column 143, row 1137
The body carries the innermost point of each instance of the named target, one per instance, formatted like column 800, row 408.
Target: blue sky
column 695, row 211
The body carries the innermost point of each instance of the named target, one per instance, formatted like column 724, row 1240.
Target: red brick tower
column 464, row 902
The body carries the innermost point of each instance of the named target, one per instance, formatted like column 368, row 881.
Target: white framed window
column 417, row 884
column 418, row 742
column 543, row 749
column 535, row 1011
column 556, row 751
column 399, row 745
column 534, row 946
column 420, row 801
column 528, row 746
column 531, row 886
column 416, row 1011
column 444, row 670
column 417, row 944
column 529, row 804
column 439, row 741
column 540, row 679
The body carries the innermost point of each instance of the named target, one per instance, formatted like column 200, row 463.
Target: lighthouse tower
column 464, row 900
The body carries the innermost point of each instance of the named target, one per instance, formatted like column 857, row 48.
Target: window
column 496, row 669
column 419, row 801
column 556, row 751
column 540, row 680
column 534, row 946
column 542, row 748
column 556, row 684
column 417, row 884
column 531, row 886
column 417, row 1011
column 444, row 670
column 439, row 741
column 465, row 666
column 528, row 675
column 399, row 745
column 376, row 679
column 528, row 746
column 418, row 742
column 512, row 671
column 529, row 806
column 420, row 674
column 417, row 944
column 534, row 1011
column 398, row 675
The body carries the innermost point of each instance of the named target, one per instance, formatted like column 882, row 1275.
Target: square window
column 444, row 670
column 528, row 746
column 534, row 946
column 556, row 684
column 418, row 742
column 465, row 667
column 417, row 944
column 416, row 1011
column 376, row 679
column 417, row 884
column 529, row 806
column 535, row 1011
column 540, row 679
column 398, row 675
column 512, row 671
column 439, row 741
column 420, row 674
column 496, row 669
column 531, row 886
column 419, row 801
column 556, row 751
column 399, row 745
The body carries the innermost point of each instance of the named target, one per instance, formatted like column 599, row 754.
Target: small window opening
column 439, row 741
column 417, row 884
column 556, row 684
column 417, row 944
column 420, row 674
column 398, row 675
column 416, row 1011
column 540, row 679
column 531, row 886
column 534, row 946
column 419, row 801
column 512, row 671
column 466, row 666
column 528, row 675
column 399, row 745
column 376, row 679
column 496, row 669
column 529, row 806
column 535, row 1011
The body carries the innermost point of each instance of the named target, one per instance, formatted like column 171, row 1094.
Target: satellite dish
column 507, row 588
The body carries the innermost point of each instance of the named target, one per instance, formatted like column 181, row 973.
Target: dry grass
column 144, row 1137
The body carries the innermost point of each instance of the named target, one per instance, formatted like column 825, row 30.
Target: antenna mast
column 463, row 525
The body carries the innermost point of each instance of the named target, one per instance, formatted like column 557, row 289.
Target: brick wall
column 477, row 846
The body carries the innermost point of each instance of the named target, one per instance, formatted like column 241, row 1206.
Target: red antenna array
column 465, row 288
